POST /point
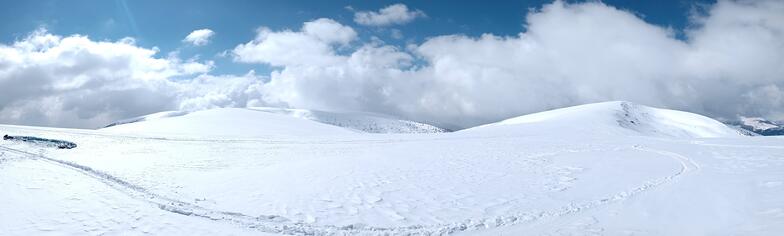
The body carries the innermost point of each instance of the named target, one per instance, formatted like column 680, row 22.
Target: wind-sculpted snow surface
column 365, row 122
column 490, row 180
column 357, row 121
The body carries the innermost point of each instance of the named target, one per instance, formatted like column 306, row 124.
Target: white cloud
column 329, row 31
column 199, row 37
column 391, row 15
column 313, row 45
column 570, row 54
column 72, row 81
column 208, row 91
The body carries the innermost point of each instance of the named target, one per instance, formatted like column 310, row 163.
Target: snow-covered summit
column 617, row 117
column 761, row 126
column 758, row 123
column 236, row 122
column 153, row 116
column 361, row 121
column 268, row 121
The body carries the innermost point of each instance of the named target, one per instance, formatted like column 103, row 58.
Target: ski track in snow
column 278, row 224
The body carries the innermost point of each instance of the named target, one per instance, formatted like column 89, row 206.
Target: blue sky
column 164, row 24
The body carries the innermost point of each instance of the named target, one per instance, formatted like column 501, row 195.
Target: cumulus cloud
column 199, row 37
column 73, row 81
column 396, row 14
column 313, row 45
column 730, row 64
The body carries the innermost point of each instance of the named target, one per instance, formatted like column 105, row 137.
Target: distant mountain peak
column 761, row 126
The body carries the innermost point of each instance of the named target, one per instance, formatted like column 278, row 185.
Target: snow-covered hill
column 223, row 121
column 226, row 122
column 761, row 126
column 361, row 121
column 153, row 116
column 591, row 169
column 614, row 118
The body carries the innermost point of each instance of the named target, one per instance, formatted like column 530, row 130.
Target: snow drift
column 613, row 118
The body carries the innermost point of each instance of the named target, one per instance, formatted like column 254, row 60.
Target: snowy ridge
column 361, row 121
column 615, row 118
column 154, row 116
column 226, row 118
column 229, row 122
column 758, row 123
column 761, row 126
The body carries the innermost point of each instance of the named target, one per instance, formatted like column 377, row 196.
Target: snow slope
column 220, row 118
column 361, row 121
column 500, row 179
column 613, row 118
column 154, row 116
column 228, row 122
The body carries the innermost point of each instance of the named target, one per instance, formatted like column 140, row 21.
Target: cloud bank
column 199, row 37
column 730, row 63
column 396, row 14
column 73, row 81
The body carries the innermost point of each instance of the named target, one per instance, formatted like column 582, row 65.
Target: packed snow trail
column 49, row 198
column 164, row 203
